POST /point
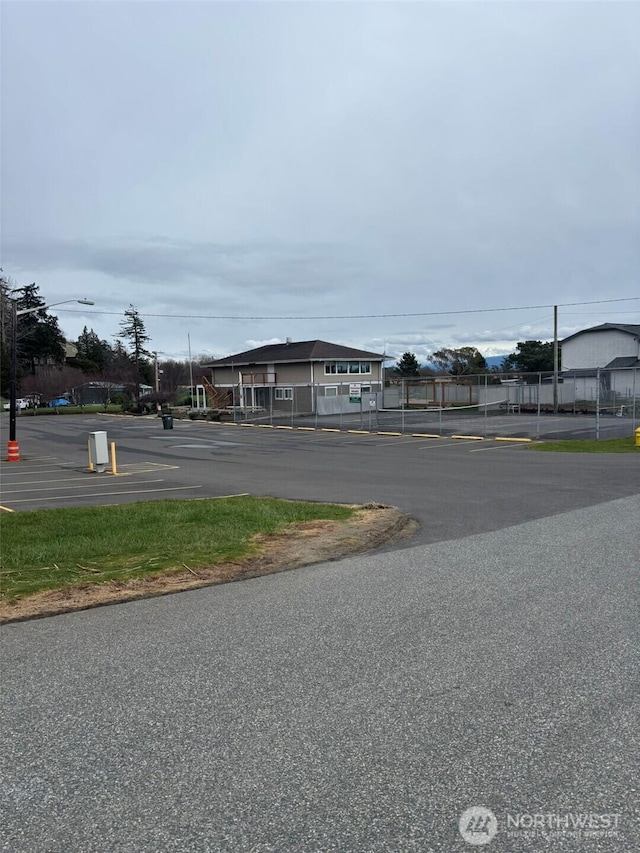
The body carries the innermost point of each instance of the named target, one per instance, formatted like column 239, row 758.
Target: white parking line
column 499, row 447
column 439, row 444
column 106, row 494
column 23, row 473
column 59, row 486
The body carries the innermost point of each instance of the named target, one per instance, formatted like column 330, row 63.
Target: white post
column 598, row 404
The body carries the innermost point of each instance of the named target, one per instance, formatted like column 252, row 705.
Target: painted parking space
column 48, row 480
column 156, row 463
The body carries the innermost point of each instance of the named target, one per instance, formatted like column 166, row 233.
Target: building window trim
column 347, row 368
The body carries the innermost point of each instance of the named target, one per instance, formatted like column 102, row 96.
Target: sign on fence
column 355, row 392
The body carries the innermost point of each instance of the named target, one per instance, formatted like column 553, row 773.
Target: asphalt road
column 355, row 706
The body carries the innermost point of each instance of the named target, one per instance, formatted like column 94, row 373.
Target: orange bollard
column 13, row 451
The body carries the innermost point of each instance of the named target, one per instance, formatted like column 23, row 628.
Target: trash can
column 167, row 421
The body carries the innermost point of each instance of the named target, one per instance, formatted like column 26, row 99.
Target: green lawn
column 606, row 445
column 48, row 549
column 112, row 408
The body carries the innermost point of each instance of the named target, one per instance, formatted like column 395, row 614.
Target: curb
column 370, row 432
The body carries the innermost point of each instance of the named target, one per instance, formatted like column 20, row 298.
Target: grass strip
column 53, row 548
column 606, row 445
column 88, row 408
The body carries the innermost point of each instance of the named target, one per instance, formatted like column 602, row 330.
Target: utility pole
column 13, row 449
column 555, row 360
column 192, row 389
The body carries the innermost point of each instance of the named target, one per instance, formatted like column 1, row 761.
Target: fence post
column 598, row 404
column 486, row 403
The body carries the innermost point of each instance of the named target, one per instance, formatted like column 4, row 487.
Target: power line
column 363, row 316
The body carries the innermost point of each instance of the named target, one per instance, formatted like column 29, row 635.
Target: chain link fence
column 582, row 403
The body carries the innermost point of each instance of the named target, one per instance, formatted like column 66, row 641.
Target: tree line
column 48, row 368
column 528, row 357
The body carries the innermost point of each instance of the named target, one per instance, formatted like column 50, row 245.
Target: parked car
column 20, row 404
column 58, row 401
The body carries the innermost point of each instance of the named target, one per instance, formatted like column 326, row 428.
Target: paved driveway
column 354, row 706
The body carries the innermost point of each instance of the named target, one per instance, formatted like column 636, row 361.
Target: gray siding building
column 304, row 373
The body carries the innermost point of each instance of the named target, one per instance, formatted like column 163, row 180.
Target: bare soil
column 302, row 544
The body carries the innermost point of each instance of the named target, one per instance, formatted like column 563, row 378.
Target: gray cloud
column 323, row 159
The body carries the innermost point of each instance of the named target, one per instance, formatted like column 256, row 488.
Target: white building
column 602, row 345
column 610, row 351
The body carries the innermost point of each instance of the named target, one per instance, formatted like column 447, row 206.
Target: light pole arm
column 24, row 311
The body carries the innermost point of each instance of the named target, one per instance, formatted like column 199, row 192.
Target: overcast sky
column 270, row 160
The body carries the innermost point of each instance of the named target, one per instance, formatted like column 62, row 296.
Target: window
column 346, row 367
column 331, row 391
column 284, row 393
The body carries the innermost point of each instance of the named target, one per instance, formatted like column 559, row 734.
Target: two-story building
column 312, row 376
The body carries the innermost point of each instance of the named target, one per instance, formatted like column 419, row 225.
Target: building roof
column 608, row 327
column 295, row 351
column 623, row 361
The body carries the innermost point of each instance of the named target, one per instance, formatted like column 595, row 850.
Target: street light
column 13, row 450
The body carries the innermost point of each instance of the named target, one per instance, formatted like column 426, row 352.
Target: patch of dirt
column 302, row 544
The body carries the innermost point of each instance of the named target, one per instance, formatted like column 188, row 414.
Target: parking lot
column 358, row 705
column 475, row 420
column 451, row 485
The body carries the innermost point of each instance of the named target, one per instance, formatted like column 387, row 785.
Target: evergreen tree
column 408, row 365
column 93, row 354
column 530, row 357
column 40, row 339
column 133, row 332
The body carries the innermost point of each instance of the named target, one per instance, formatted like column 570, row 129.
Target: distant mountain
column 494, row 360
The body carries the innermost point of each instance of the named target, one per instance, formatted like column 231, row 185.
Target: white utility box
column 98, row 451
